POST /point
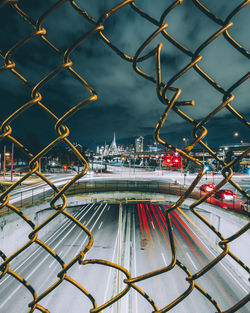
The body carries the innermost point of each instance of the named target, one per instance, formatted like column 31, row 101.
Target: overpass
column 123, row 213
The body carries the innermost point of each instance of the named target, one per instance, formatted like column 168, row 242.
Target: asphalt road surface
column 134, row 236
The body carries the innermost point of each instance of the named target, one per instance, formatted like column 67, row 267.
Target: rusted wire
column 172, row 104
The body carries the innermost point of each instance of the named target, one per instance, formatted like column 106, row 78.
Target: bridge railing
column 35, row 196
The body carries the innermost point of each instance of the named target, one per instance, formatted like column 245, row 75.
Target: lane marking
column 119, row 252
column 38, row 265
column 125, row 262
column 187, row 254
column 100, row 225
column 221, row 265
column 41, row 262
column 135, row 270
column 111, row 270
column 234, row 278
column 197, row 227
column 164, row 258
column 51, row 295
column 37, row 251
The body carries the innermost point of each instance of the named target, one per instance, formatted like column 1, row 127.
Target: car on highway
column 207, row 187
column 246, row 207
column 226, row 194
column 228, row 200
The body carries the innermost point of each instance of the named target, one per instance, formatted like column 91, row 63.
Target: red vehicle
column 246, row 208
column 227, row 199
column 207, row 187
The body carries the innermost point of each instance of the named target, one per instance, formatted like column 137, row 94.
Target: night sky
column 127, row 103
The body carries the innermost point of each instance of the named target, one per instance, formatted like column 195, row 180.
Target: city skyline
column 134, row 109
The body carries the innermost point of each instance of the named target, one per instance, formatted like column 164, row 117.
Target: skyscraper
column 113, row 147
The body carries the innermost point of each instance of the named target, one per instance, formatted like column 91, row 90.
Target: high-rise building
column 113, row 147
column 139, row 144
column 106, row 149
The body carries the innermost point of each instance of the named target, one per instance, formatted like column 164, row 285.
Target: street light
column 224, row 153
column 5, row 154
column 12, row 160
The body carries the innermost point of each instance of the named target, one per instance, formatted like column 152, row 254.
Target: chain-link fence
column 168, row 94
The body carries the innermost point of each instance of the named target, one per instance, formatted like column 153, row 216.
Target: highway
column 134, row 236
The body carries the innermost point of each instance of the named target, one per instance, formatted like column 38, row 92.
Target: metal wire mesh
column 163, row 89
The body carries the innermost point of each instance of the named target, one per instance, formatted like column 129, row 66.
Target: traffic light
column 167, row 160
column 176, row 160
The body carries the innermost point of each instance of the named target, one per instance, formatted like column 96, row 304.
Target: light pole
column 4, row 160
column 4, row 151
column 101, row 163
column 12, row 161
column 40, row 159
column 224, row 153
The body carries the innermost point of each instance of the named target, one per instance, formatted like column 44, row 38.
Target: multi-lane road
column 134, row 236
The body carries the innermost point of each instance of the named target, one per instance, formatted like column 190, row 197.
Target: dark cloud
column 127, row 103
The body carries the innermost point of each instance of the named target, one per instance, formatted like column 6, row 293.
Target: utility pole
column 40, row 165
column 12, row 160
column 4, row 152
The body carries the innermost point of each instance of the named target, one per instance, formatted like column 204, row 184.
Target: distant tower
column 113, row 147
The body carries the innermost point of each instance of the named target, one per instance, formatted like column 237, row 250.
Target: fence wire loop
column 168, row 93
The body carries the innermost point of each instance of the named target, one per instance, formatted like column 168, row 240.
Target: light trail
column 141, row 227
column 199, row 258
column 152, row 228
column 39, row 248
column 168, row 244
column 156, row 235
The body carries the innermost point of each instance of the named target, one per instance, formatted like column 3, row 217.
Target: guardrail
column 41, row 194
